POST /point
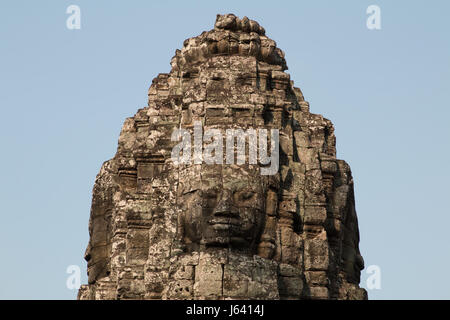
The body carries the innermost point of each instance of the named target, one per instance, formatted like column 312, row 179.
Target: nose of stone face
column 225, row 207
column 87, row 253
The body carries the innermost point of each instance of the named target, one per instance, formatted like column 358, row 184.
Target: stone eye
column 211, row 194
column 247, row 195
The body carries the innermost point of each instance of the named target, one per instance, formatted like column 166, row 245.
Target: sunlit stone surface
column 199, row 231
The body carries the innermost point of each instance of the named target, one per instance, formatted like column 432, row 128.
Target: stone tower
column 165, row 230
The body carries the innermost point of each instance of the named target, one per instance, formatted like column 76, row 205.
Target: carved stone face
column 227, row 210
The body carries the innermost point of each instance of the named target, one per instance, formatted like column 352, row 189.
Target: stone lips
column 301, row 239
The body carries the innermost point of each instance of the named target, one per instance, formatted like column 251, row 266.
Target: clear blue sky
column 64, row 95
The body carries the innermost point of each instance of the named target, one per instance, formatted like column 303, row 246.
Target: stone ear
column 180, row 226
column 267, row 244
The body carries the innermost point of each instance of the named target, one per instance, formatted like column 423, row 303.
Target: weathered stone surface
column 159, row 230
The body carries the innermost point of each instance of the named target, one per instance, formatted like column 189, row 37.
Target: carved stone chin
column 160, row 229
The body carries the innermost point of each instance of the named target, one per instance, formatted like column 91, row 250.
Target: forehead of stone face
column 242, row 177
column 217, row 177
column 189, row 179
column 194, row 177
column 211, row 177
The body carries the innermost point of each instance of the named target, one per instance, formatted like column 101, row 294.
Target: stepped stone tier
column 160, row 230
